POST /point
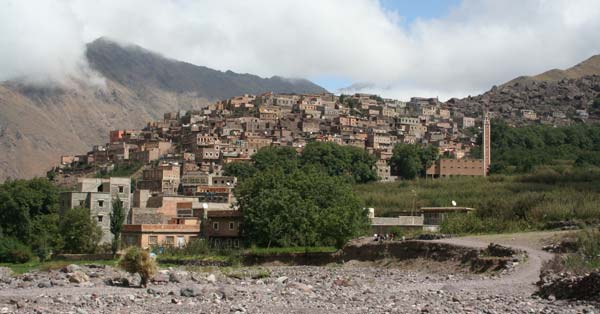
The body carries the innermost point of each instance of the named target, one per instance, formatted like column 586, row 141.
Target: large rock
column 70, row 268
column 569, row 286
column 78, row 277
column 190, row 292
column 178, row 276
column 45, row 284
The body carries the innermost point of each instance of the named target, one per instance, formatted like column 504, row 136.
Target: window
column 100, row 203
column 100, row 218
column 153, row 240
column 236, row 243
column 231, row 225
column 121, row 189
column 169, row 240
column 215, row 225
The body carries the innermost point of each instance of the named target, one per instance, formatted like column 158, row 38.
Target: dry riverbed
column 387, row 286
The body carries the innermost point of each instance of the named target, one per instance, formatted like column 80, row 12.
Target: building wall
column 456, row 167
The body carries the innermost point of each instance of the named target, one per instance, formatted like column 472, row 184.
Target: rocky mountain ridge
column 39, row 124
column 555, row 95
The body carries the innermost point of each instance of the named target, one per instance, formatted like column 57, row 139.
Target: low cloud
column 476, row 45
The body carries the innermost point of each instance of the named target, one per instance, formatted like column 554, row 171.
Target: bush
column 13, row 251
column 81, row 233
column 139, row 261
column 588, row 241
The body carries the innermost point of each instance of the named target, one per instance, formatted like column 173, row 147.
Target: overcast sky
column 394, row 48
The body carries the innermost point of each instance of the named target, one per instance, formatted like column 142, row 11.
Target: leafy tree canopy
column 305, row 207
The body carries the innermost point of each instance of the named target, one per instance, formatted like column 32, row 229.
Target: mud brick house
column 222, row 227
column 178, row 232
column 162, row 179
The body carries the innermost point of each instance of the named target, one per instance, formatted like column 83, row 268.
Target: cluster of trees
column 292, row 199
column 521, row 149
column 352, row 163
column 514, row 150
column 30, row 223
column 412, row 160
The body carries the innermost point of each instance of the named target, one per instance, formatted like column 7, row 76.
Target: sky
column 394, row 48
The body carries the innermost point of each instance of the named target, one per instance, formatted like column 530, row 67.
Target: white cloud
column 478, row 44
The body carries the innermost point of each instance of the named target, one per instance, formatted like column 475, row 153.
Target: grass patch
column 288, row 250
column 246, row 272
column 52, row 265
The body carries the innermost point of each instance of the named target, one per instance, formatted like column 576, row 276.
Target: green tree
column 81, row 233
column 117, row 218
column 405, row 161
column 282, row 157
column 240, row 170
column 23, row 200
column 306, row 207
column 340, row 160
column 45, row 236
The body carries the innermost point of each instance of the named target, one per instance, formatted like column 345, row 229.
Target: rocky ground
column 417, row 286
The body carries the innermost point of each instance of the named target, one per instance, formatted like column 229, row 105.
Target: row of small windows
column 231, row 225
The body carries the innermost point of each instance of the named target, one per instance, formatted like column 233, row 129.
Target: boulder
column 177, row 276
column 161, row 279
column 211, row 278
column 45, row 284
column 70, row 268
column 190, row 292
column 78, row 277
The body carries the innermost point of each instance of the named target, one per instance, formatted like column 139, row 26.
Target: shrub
column 13, row 251
column 588, row 241
column 139, row 261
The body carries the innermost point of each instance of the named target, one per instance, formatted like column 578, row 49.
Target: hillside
column 139, row 69
column 37, row 125
column 588, row 67
column 550, row 94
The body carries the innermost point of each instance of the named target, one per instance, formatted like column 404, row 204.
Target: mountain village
column 180, row 191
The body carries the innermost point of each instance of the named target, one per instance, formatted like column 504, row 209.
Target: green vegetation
column 240, row 170
column 412, row 160
column 21, row 268
column 13, row 251
column 350, row 162
column 121, row 170
column 339, row 160
column 80, row 232
column 305, row 207
column 517, row 150
column 586, row 256
column 117, row 218
column 139, row 261
column 503, row 203
column 29, row 215
column 287, row 250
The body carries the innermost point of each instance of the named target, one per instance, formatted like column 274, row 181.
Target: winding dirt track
column 522, row 280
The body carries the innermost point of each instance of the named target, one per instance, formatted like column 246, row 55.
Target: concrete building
column 98, row 195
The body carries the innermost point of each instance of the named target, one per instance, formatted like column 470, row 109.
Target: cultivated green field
column 503, row 203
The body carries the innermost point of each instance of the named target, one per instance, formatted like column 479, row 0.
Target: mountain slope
column 552, row 93
column 589, row 67
column 137, row 68
column 38, row 125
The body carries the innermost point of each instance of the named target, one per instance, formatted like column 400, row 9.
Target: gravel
column 349, row 288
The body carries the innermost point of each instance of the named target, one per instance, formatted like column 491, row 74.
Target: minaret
column 486, row 143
